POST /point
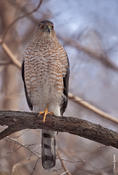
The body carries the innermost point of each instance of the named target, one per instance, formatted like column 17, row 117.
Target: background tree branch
column 17, row 121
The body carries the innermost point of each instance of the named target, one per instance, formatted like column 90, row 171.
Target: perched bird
column 45, row 72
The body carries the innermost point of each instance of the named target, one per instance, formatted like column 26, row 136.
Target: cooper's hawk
column 45, row 72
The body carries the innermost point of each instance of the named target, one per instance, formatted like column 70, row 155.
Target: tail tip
column 48, row 162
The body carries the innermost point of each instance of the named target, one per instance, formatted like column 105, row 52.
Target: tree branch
column 17, row 121
column 92, row 108
column 21, row 17
column 62, row 164
column 103, row 58
column 11, row 55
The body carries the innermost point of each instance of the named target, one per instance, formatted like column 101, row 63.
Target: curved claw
column 45, row 112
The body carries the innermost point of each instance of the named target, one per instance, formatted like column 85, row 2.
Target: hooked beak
column 47, row 28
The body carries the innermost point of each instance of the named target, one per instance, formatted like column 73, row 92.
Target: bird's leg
column 45, row 112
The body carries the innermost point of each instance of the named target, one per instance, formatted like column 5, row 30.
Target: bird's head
column 46, row 28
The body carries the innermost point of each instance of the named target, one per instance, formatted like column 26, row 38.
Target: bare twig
column 103, row 58
column 24, row 10
column 22, row 163
column 62, row 164
column 25, row 161
column 11, row 55
column 20, row 17
column 23, row 145
column 17, row 121
column 92, row 108
column 34, row 168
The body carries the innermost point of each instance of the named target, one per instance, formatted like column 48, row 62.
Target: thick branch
column 17, row 121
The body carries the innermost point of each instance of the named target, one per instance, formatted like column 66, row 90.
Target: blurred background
column 88, row 29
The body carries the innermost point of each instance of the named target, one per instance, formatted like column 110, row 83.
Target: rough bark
column 17, row 121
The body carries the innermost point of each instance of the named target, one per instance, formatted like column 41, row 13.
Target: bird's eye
column 41, row 26
column 52, row 27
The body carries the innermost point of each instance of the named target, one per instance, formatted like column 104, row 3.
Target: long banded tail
column 48, row 149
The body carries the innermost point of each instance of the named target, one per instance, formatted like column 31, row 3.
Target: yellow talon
column 45, row 112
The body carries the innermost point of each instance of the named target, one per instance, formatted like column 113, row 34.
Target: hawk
column 45, row 72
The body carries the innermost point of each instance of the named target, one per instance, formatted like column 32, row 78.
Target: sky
column 101, row 15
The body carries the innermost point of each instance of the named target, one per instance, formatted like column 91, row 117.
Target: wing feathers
column 28, row 99
column 65, row 90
